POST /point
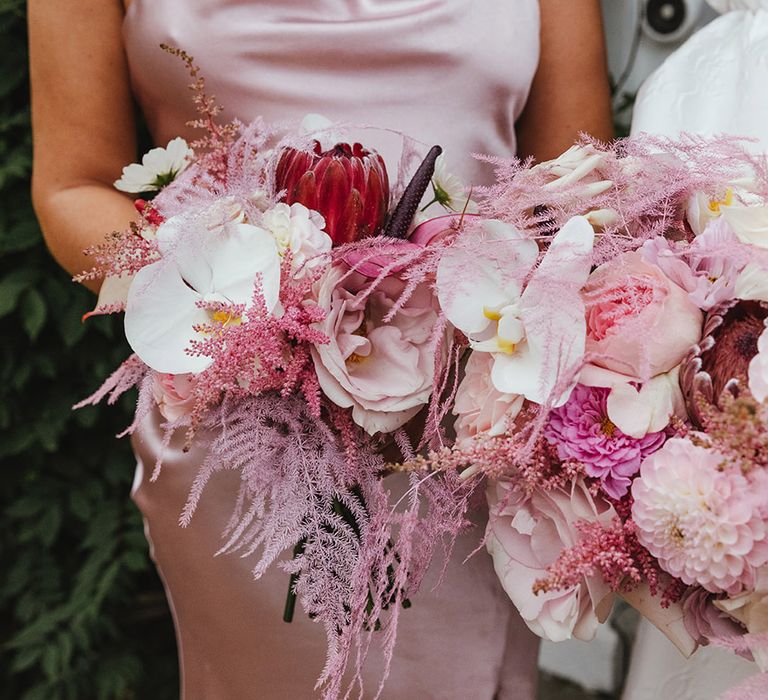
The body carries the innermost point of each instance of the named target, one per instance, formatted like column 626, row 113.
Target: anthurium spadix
column 535, row 331
column 203, row 259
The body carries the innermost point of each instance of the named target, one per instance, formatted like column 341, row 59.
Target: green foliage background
column 82, row 613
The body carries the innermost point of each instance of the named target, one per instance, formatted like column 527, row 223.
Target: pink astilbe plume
column 260, row 352
column 614, row 552
column 122, row 252
column 128, row 375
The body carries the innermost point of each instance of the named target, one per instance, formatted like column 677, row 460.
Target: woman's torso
column 453, row 72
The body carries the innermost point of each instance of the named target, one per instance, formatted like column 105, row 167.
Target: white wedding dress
column 716, row 83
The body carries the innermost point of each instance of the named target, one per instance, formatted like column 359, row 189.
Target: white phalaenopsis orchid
column 210, row 258
column 537, row 334
column 639, row 410
column 158, row 168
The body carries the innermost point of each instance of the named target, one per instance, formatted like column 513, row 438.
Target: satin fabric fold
column 452, row 72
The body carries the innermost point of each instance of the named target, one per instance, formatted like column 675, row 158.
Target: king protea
column 347, row 184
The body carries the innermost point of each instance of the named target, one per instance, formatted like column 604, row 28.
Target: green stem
column 429, row 204
column 290, row 601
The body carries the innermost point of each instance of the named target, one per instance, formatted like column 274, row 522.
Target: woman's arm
column 570, row 92
column 83, row 123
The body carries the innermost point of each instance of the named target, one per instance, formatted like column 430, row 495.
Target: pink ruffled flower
column 480, row 407
column 706, row 268
column 582, row 431
column 703, row 521
column 525, row 536
column 383, row 371
column 628, row 299
column 173, row 394
column 750, row 608
column 705, row 622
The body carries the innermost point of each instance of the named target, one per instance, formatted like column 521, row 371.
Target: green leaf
column 33, row 313
column 11, row 287
column 21, row 236
column 49, row 525
column 51, row 662
column 26, row 658
column 79, row 505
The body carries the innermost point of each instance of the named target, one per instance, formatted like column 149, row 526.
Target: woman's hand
column 83, row 123
column 570, row 92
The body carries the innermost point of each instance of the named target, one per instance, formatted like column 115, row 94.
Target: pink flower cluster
column 582, row 431
column 704, row 521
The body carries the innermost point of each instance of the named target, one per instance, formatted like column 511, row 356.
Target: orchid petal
column 628, row 411
column 553, row 315
column 470, row 281
column 159, row 319
column 519, row 373
column 187, row 241
column 752, row 283
column 750, row 224
column 245, row 252
column 648, row 410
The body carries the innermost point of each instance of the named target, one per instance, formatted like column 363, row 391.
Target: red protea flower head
column 347, row 184
column 720, row 361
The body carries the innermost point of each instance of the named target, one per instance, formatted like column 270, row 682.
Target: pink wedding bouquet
column 278, row 298
column 293, row 310
column 614, row 305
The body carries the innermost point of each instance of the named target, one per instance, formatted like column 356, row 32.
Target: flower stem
column 290, row 601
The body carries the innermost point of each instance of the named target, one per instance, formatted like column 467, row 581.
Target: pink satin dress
column 453, row 72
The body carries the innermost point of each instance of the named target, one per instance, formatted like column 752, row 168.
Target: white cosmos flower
column 300, row 231
column 449, row 190
column 536, row 335
column 159, row 167
column 207, row 258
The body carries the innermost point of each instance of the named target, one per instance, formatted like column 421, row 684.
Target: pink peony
column 639, row 322
column 173, row 394
column 703, row 521
column 525, row 536
column 480, row 407
column 383, row 371
column 582, row 431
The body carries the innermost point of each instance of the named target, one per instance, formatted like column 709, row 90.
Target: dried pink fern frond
column 298, row 479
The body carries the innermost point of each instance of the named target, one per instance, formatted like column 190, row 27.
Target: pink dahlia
column 582, row 431
column 702, row 520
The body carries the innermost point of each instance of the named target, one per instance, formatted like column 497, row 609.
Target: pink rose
column 383, row 371
column 525, row 536
column 173, row 394
column 639, row 322
column 480, row 407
